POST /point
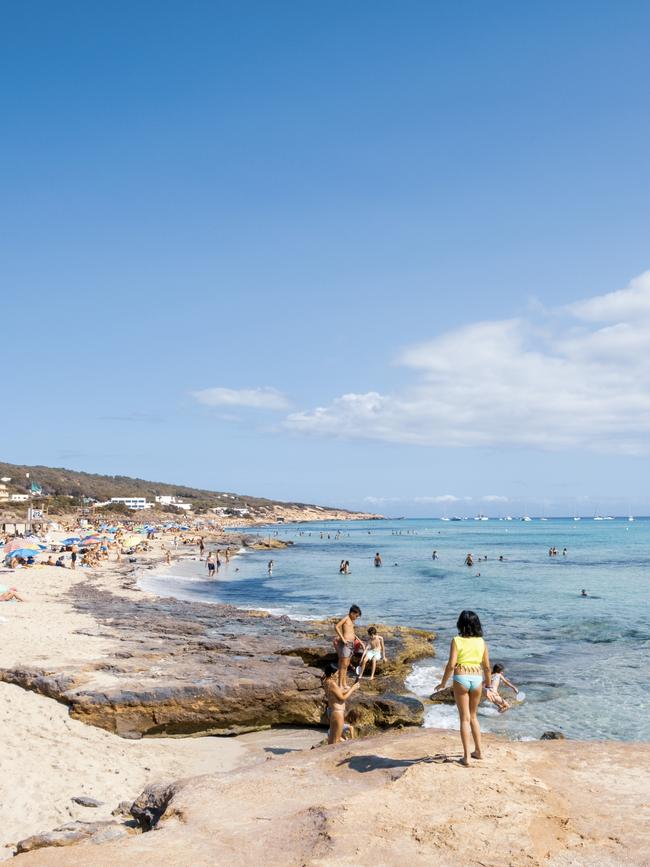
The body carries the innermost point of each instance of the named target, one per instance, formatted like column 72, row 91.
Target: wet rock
column 552, row 736
column 387, row 710
column 443, row 696
column 268, row 544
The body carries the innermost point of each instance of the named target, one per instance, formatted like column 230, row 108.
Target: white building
column 19, row 498
column 169, row 500
column 135, row 503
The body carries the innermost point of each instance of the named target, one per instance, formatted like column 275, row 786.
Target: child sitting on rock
column 375, row 652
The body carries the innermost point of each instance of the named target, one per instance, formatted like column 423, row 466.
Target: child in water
column 375, row 652
column 492, row 694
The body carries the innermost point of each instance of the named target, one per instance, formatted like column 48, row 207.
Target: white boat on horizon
column 526, row 518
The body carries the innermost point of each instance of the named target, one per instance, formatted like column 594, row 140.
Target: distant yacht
column 455, row 518
column 445, row 518
column 526, row 518
column 576, row 517
column 631, row 518
column 481, row 518
column 508, row 518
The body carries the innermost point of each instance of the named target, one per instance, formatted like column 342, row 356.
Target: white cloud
column 619, row 306
column 578, row 377
column 257, row 398
column 494, row 498
column 441, row 498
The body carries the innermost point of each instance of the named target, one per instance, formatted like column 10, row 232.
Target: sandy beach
column 57, row 758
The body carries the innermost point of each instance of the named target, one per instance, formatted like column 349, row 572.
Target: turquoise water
column 581, row 662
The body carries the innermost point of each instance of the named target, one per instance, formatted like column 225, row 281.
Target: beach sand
column 47, row 758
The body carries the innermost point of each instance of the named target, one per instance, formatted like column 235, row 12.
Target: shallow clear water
column 580, row 661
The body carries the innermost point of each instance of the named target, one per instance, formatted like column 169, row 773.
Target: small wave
column 424, row 677
column 170, row 579
column 284, row 612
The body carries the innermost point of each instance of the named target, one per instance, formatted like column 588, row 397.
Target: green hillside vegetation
column 59, row 485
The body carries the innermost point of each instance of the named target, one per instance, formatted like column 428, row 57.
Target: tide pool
column 581, row 661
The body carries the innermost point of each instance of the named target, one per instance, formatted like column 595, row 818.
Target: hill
column 60, row 484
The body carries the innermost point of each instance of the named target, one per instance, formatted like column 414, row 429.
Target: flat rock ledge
column 185, row 668
column 394, row 799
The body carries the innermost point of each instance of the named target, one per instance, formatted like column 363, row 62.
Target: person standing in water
column 469, row 660
column 377, row 559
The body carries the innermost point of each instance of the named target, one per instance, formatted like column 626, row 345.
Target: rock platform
column 186, row 668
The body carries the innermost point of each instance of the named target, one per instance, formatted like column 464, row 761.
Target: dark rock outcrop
column 183, row 668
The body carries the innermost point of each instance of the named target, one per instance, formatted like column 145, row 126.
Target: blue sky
column 221, row 219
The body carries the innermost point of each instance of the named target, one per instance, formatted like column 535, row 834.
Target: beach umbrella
column 24, row 545
column 131, row 540
column 23, row 552
column 70, row 541
column 89, row 541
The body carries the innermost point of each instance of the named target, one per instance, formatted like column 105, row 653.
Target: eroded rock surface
column 183, row 668
column 399, row 798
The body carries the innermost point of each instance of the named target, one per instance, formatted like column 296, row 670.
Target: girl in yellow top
column 470, row 662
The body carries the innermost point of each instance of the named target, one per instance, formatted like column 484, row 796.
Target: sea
column 580, row 661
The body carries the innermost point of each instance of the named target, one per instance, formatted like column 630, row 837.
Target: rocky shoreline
column 187, row 668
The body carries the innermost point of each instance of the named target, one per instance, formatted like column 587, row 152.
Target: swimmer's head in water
column 469, row 625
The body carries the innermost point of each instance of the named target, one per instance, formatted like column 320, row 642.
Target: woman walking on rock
column 470, row 662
